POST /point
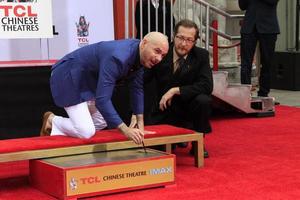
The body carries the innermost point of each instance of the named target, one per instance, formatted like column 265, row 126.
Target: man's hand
column 166, row 99
column 149, row 132
column 133, row 122
column 138, row 122
column 134, row 134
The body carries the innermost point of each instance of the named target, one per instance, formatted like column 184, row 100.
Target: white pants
column 84, row 119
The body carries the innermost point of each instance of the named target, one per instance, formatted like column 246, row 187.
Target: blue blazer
column 91, row 73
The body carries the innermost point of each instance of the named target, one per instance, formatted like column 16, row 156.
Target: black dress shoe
column 205, row 152
column 182, row 144
column 174, row 146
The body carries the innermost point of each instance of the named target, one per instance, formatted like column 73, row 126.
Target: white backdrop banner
column 76, row 23
column 79, row 23
column 26, row 19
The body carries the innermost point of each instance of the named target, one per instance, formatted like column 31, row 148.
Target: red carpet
column 250, row 158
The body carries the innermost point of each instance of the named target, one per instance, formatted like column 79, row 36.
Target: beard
column 181, row 51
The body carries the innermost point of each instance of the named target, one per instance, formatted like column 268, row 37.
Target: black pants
column 267, row 47
column 193, row 115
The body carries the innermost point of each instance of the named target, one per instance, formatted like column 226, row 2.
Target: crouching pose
column 89, row 75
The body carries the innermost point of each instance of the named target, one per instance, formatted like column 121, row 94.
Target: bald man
column 90, row 74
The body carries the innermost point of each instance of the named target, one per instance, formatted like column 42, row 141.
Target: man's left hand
column 133, row 121
column 166, row 99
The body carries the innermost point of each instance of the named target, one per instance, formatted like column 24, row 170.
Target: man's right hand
column 166, row 99
column 134, row 134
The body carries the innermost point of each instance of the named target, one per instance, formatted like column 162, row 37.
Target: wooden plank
column 197, row 138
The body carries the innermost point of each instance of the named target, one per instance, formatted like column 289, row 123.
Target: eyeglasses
column 183, row 39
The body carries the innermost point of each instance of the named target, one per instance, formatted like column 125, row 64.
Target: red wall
column 119, row 18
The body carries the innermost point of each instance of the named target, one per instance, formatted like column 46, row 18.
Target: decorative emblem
column 73, row 184
column 82, row 27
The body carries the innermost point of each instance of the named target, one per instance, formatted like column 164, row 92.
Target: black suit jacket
column 195, row 77
column 153, row 18
column 260, row 14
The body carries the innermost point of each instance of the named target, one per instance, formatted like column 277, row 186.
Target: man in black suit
column 184, row 83
column 160, row 16
column 260, row 24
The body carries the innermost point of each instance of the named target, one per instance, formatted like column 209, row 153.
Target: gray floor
column 286, row 97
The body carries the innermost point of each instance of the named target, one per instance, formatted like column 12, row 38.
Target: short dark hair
column 188, row 24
